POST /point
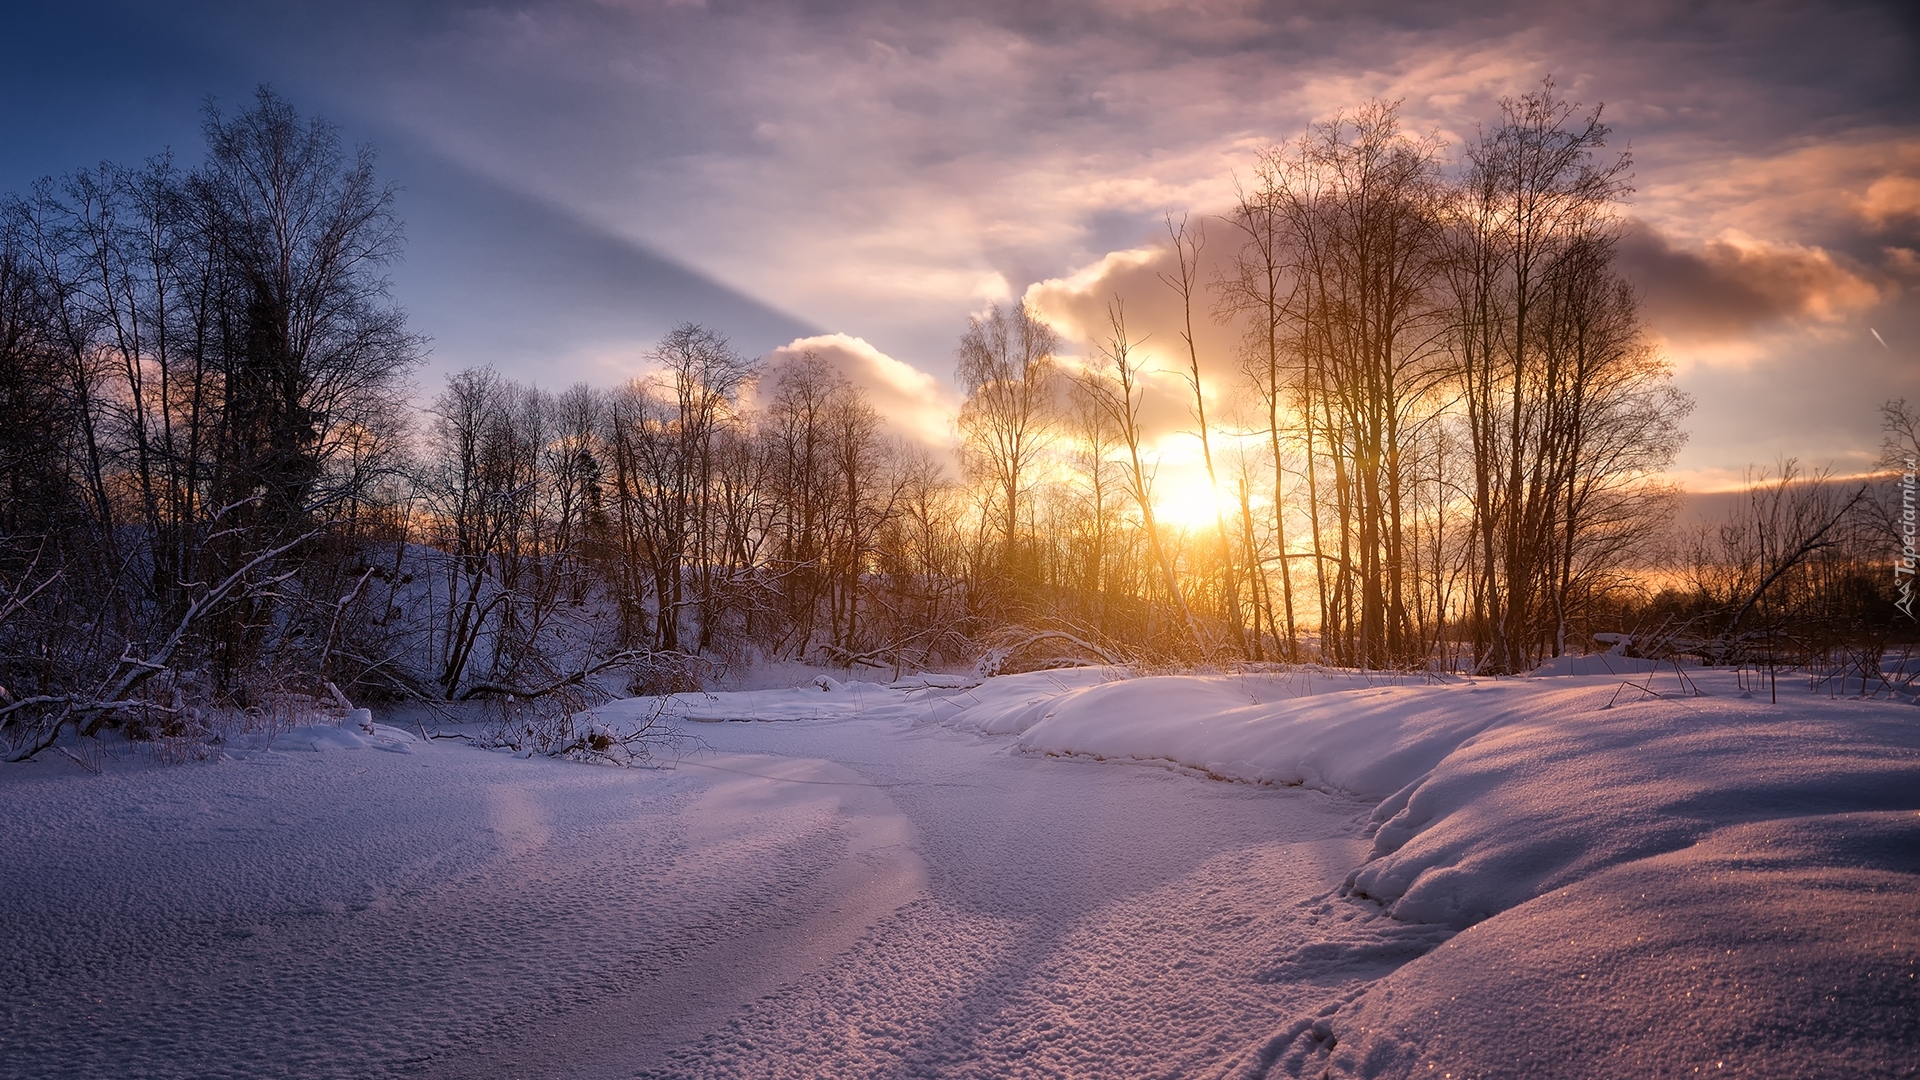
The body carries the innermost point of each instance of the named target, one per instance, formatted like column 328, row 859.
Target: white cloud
column 913, row 405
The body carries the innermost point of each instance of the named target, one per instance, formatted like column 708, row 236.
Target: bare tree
column 1535, row 195
column 1185, row 281
column 797, row 429
column 1093, row 556
column 920, row 555
column 1260, row 290
column 1359, row 202
column 1894, row 510
column 476, row 485
column 225, row 350
column 1116, row 386
column 1785, row 520
column 1006, row 364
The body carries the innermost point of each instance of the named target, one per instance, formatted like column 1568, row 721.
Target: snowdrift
column 1649, row 884
column 1488, row 793
column 356, row 732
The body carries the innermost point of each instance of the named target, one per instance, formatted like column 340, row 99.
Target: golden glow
column 1186, row 501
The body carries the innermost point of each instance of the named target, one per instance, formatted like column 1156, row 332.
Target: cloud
column 1735, row 283
column 1080, row 305
column 913, row 405
column 1890, row 198
column 883, row 166
column 1821, row 190
column 1077, row 304
column 887, row 166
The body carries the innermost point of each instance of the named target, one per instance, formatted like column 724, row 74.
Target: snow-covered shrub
column 664, row 673
column 1020, row 649
column 561, row 726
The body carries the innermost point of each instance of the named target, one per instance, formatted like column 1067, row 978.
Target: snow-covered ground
column 1053, row 874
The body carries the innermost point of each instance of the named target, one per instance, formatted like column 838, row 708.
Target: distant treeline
column 212, row 490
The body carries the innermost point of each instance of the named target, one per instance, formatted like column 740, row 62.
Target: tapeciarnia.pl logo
column 1903, row 567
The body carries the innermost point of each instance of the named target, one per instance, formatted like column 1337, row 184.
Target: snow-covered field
column 1054, row 874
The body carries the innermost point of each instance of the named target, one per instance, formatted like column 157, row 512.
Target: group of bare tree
column 1804, row 570
column 198, row 375
column 658, row 531
column 1460, row 425
column 215, row 496
column 1449, row 451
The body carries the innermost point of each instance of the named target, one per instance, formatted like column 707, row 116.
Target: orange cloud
column 1077, row 305
column 1888, row 199
column 1871, row 178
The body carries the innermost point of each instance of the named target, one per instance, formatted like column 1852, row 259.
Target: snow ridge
column 1520, row 808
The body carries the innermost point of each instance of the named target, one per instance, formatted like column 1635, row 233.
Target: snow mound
column 318, row 738
column 1563, row 788
column 356, row 733
column 1637, row 882
column 1490, row 793
column 1606, row 663
column 991, row 706
column 820, row 698
column 1780, row 949
column 937, row 680
column 1016, row 704
column 1003, row 705
column 1369, row 742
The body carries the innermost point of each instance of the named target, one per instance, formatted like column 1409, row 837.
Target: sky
column 577, row 176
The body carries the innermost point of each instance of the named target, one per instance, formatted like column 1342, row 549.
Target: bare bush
column 554, row 727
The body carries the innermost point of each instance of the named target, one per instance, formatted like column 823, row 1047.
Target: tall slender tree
column 1005, row 362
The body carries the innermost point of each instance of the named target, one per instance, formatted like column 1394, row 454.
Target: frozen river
column 850, row 897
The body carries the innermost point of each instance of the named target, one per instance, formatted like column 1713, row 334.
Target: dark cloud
column 1729, row 286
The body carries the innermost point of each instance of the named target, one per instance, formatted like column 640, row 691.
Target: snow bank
column 821, row 698
column 1563, row 788
column 995, row 706
column 999, row 706
column 1606, row 663
column 1014, row 704
column 1781, row 949
column 1488, row 793
column 1614, row 661
column 1368, row 742
column 1647, row 885
column 1643, row 884
column 357, row 732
